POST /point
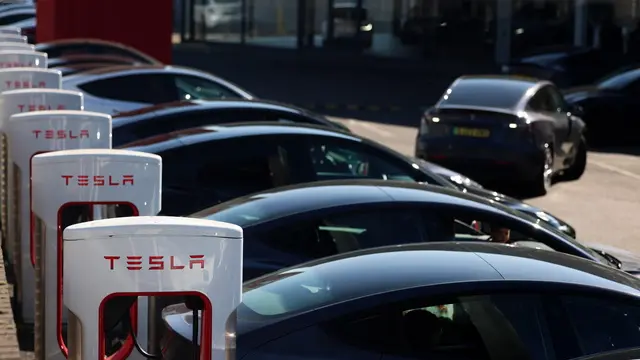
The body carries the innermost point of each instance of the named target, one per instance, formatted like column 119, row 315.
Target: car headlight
column 367, row 27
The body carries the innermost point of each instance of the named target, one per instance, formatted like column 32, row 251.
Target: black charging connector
column 196, row 304
column 126, row 320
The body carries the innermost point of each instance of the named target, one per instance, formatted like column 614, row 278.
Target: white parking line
column 615, row 169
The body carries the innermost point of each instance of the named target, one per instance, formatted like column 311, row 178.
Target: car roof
column 510, row 82
column 116, row 69
column 359, row 273
column 177, row 107
column 301, row 198
column 92, row 41
column 205, row 134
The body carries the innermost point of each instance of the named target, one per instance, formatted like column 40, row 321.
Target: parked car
column 72, row 69
column 208, row 165
column 165, row 118
column 431, row 301
column 65, row 47
column 294, row 224
column 123, row 88
column 568, row 66
column 609, row 105
column 501, row 128
column 90, row 59
column 351, row 27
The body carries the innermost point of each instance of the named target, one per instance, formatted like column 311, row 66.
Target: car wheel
column 542, row 183
column 575, row 171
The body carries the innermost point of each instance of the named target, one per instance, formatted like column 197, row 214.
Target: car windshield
column 485, row 93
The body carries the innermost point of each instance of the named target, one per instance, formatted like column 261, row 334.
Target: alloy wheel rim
column 548, row 168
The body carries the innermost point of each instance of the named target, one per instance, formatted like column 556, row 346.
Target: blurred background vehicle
column 351, row 27
column 123, row 88
column 111, row 60
column 436, row 301
column 60, row 48
column 609, row 107
column 208, row 165
column 500, row 128
column 293, row 224
column 214, row 14
column 181, row 115
column 20, row 13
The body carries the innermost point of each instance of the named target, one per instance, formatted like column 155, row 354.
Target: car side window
column 495, row 326
column 141, row 88
column 239, row 167
column 542, row 101
column 196, row 88
column 332, row 234
column 336, row 159
column 557, row 99
column 599, row 325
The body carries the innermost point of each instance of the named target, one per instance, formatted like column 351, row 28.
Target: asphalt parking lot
column 602, row 205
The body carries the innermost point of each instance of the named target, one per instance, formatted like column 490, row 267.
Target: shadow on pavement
column 623, row 150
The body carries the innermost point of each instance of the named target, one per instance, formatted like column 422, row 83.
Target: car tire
column 542, row 183
column 575, row 171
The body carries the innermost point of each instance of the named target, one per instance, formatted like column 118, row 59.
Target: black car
column 610, row 105
column 431, row 301
column 208, row 165
column 501, row 129
column 59, row 48
column 294, row 224
column 164, row 118
column 568, row 66
column 70, row 60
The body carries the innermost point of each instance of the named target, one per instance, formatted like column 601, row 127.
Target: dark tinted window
column 475, row 327
column 487, row 93
column 196, row 88
column 601, row 325
column 341, row 159
column 141, row 130
column 339, row 233
column 142, row 88
column 542, row 101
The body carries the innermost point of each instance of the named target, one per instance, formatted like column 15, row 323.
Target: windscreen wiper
column 610, row 258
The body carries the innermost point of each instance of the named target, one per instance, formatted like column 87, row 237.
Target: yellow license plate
column 479, row 133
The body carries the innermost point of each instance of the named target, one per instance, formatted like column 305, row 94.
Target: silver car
column 116, row 89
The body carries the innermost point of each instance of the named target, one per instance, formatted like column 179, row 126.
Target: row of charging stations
column 80, row 232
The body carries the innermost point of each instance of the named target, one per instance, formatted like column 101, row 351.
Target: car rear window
column 502, row 94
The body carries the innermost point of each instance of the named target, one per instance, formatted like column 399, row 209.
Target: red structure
column 146, row 25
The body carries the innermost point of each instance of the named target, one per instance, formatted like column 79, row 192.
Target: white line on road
column 370, row 127
column 615, row 169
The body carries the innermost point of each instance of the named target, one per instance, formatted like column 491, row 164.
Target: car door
column 297, row 239
column 128, row 92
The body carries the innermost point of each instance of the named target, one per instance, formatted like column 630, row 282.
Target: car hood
column 531, row 210
column 630, row 262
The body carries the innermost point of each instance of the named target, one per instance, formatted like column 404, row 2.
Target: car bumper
column 492, row 163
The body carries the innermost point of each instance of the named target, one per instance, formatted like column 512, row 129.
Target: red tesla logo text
column 60, row 134
column 10, row 64
column 31, row 107
column 23, row 84
column 158, row 262
column 98, row 180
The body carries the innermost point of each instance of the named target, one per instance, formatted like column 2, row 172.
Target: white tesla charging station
column 66, row 186
column 13, row 102
column 29, row 134
column 151, row 256
column 22, row 58
column 16, row 46
column 10, row 30
column 11, row 79
column 13, row 38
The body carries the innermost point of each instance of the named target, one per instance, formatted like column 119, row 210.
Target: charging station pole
column 22, row 59
column 13, row 38
column 16, row 46
column 151, row 256
column 32, row 133
column 10, row 30
column 12, row 79
column 13, row 102
column 66, row 185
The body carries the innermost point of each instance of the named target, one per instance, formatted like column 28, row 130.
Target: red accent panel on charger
column 122, row 21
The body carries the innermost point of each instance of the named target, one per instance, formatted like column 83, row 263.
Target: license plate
column 479, row 133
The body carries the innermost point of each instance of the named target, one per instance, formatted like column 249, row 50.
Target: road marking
column 615, row 169
column 370, row 127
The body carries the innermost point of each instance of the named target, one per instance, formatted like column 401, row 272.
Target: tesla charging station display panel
column 22, row 58
column 66, row 186
column 13, row 38
column 112, row 259
column 12, row 79
column 29, row 134
column 16, row 46
column 13, row 102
